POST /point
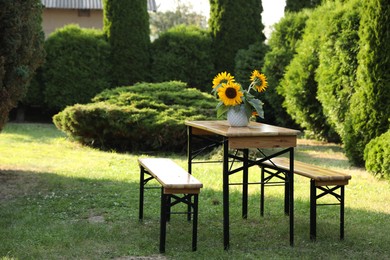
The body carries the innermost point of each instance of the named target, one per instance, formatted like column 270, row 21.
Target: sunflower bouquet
column 233, row 96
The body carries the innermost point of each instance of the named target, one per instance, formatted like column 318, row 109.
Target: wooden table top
column 222, row 127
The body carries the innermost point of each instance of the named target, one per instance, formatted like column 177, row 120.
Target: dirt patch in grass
column 14, row 183
column 152, row 257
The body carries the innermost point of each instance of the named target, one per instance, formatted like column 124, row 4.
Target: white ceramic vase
column 236, row 116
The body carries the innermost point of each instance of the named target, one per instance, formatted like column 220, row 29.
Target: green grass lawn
column 61, row 200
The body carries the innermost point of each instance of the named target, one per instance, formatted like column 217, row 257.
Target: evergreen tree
column 21, row 50
column 234, row 25
column 126, row 25
column 299, row 86
column 283, row 42
column 369, row 111
column 298, row 5
column 336, row 74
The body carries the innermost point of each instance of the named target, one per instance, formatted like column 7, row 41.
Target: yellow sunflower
column 259, row 80
column 223, row 77
column 230, row 94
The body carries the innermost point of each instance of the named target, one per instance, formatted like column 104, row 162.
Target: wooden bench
column 325, row 180
column 174, row 180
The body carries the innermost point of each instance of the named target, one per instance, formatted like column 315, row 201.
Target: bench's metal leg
column 195, row 223
column 342, row 212
column 141, row 193
column 313, row 210
column 163, row 219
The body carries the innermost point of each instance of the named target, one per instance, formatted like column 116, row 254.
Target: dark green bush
column 146, row 116
column 283, row 42
column 183, row 53
column 76, row 67
column 377, row 155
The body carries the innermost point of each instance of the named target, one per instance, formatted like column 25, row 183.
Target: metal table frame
column 229, row 143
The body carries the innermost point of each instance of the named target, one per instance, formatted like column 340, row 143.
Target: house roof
column 86, row 4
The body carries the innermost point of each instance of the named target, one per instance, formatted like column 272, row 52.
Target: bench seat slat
column 310, row 171
column 169, row 174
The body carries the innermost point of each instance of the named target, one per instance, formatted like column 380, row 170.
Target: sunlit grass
column 61, row 200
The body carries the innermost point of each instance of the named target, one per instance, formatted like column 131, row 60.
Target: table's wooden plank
column 262, row 142
column 169, row 174
column 221, row 127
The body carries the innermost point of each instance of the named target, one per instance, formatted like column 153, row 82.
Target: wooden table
column 255, row 135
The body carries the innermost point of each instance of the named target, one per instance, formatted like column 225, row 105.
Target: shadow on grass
column 44, row 215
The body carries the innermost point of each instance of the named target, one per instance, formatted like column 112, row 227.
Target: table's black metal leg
column 225, row 194
column 286, row 194
column 342, row 212
column 245, row 184
column 141, row 193
column 313, row 210
column 291, row 196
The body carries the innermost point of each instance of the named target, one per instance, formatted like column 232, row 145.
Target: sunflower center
column 231, row 93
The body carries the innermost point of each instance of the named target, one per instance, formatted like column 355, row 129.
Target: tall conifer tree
column 369, row 112
column 21, row 50
column 234, row 24
column 126, row 25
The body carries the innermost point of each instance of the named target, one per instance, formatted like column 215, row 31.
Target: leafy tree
column 234, row 25
column 283, row 42
column 369, row 112
column 126, row 25
column 298, row 5
column 161, row 22
column 21, row 50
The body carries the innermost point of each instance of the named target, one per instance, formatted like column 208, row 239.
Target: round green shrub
column 183, row 53
column 146, row 117
column 76, row 67
column 377, row 155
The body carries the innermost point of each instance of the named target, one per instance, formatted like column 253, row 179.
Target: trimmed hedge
column 183, row 53
column 143, row 117
column 377, row 155
column 76, row 67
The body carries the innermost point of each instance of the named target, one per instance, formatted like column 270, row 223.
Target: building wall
column 53, row 19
